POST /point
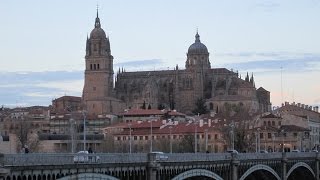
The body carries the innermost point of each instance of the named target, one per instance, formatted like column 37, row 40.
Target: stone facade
column 175, row 89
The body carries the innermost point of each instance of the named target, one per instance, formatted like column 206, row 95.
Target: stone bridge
column 158, row 166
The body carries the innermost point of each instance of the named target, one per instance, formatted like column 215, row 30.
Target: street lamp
column 273, row 137
column 195, row 137
column 232, row 135
column 84, row 130
column 282, row 131
column 151, row 134
column 258, row 139
column 206, row 139
column 170, row 128
column 72, row 122
column 129, row 137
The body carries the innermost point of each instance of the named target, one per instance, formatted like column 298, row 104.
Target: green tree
column 201, row 107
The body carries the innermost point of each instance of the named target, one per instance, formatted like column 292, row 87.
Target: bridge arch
column 260, row 167
column 300, row 164
column 89, row 176
column 197, row 172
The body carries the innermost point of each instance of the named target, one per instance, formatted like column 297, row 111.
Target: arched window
column 98, row 66
column 211, row 106
column 90, row 66
column 273, row 123
column 95, row 67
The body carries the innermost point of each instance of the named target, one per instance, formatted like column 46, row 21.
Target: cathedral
column 107, row 93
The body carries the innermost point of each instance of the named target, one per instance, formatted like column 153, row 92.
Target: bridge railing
column 62, row 158
column 191, row 157
column 125, row 158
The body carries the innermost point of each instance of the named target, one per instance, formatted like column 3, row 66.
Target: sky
column 42, row 43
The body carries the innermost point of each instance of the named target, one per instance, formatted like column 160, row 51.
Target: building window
column 216, row 136
column 95, row 47
column 140, row 137
column 98, row 66
column 295, row 134
column 209, row 136
column 146, row 137
column 279, row 123
column 90, row 66
column 269, row 135
column 135, row 137
column 94, row 66
column 261, row 135
column 273, row 123
column 264, row 123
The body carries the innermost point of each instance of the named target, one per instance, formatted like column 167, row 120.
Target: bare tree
column 26, row 135
column 186, row 144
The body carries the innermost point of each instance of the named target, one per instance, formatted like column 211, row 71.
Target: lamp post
column 195, row 137
column 206, row 139
column 282, row 131
column 129, row 137
column 151, row 134
column 72, row 122
column 273, row 137
column 170, row 128
column 84, row 130
column 232, row 135
column 258, row 139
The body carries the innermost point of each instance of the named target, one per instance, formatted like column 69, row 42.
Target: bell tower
column 98, row 78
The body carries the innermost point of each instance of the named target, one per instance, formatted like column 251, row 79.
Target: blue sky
column 43, row 43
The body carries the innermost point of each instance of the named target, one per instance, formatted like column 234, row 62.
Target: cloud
column 138, row 65
column 267, row 6
column 38, row 88
column 272, row 62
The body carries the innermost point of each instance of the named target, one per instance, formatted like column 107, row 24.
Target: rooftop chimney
column 299, row 104
column 201, row 123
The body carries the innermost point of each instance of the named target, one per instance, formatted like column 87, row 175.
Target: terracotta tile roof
column 270, row 116
column 180, row 128
column 74, row 98
column 288, row 128
column 149, row 112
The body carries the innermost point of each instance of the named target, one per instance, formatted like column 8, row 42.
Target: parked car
column 160, row 156
column 232, row 151
column 264, row 151
column 295, row 150
column 84, row 157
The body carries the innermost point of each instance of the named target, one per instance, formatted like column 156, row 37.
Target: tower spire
column 97, row 23
column 197, row 37
column 97, row 10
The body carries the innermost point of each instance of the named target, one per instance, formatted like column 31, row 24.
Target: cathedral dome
column 97, row 32
column 197, row 47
